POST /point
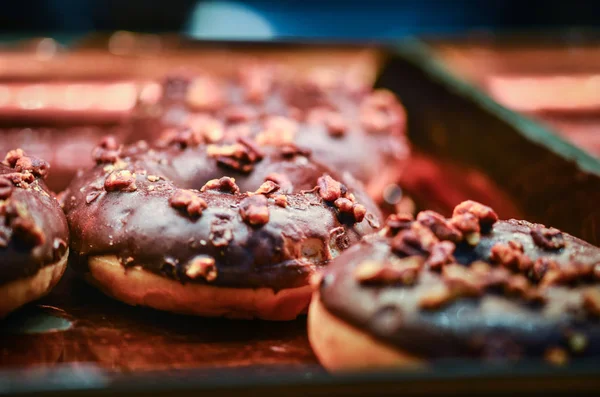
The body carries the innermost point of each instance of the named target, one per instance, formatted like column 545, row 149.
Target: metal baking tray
column 76, row 341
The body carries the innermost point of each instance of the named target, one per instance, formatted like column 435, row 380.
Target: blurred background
column 351, row 19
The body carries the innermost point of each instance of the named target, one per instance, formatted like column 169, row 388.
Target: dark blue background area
column 295, row 18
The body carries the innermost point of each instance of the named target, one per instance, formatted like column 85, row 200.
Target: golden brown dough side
column 19, row 292
column 341, row 347
column 136, row 286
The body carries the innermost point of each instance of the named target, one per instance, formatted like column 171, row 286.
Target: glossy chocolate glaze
column 493, row 325
column 33, row 228
column 142, row 228
column 374, row 155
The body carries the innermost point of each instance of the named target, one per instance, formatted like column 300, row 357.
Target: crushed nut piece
column 541, row 266
column 439, row 226
column 224, row 184
column 436, row 298
column 278, row 131
column 290, row 150
column 202, row 266
column 107, row 151
column 329, row 188
column 466, row 223
column 510, row 255
column 205, row 93
column 285, row 185
column 403, row 271
column 359, row 211
column 441, row 254
column 343, row 204
column 281, row 200
column 268, row 187
column 188, row 201
column 547, row 238
column 254, row 210
column 153, row 178
column 123, row 181
column 397, row 222
column 207, row 127
column 462, row 281
column 13, row 156
column 487, row 217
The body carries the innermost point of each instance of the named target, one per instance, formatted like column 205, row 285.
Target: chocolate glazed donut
column 244, row 244
column 469, row 286
column 34, row 235
column 346, row 127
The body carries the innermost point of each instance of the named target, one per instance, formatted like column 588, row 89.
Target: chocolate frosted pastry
column 214, row 230
column 34, row 235
column 349, row 128
column 468, row 286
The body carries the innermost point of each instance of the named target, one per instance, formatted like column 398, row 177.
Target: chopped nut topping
column 107, row 151
column 254, row 210
column 403, row 271
column 408, row 243
column 285, row 185
column 425, row 236
column 591, row 301
column 240, row 156
column 511, row 255
column 329, row 188
column 6, row 188
column 436, row 297
column 204, row 93
column 547, row 238
column 207, row 127
column 487, row 217
column 202, row 266
column 541, row 267
column 343, row 204
column 462, row 281
column 20, row 179
column 281, row 200
column 37, row 167
column 441, row 254
column 556, row 356
column 123, row 181
column 439, row 226
column 473, row 238
column 153, row 178
column 359, row 212
column 188, row 201
column 466, row 223
column 182, row 137
column 224, row 184
column 13, row 156
column 290, row 150
column 278, row 131
column 220, row 232
column 268, row 187
column 397, row 222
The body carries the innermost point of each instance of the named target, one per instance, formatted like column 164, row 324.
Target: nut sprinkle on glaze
column 264, row 227
column 425, row 287
column 337, row 118
column 33, row 230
